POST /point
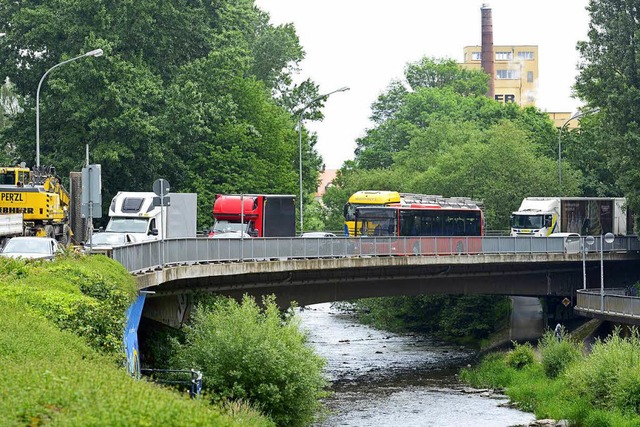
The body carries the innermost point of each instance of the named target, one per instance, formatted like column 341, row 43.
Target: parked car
column 104, row 242
column 571, row 242
column 230, row 235
column 316, row 234
column 30, row 248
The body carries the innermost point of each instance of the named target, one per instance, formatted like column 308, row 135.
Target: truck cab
column 133, row 213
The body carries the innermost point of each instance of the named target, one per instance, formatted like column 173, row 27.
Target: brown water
column 383, row 379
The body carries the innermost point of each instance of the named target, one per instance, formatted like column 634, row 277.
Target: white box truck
column 543, row 216
column 134, row 213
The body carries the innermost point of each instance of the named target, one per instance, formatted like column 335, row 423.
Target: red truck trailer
column 257, row 215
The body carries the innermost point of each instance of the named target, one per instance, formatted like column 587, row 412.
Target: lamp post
column 575, row 116
column 307, row 105
column 609, row 237
column 96, row 53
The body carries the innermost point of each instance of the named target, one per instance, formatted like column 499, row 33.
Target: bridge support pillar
column 170, row 310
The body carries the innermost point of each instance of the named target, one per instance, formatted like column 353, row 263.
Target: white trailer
column 543, row 216
column 134, row 213
column 11, row 225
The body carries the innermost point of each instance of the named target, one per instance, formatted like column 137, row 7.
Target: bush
column 87, row 295
column 557, row 355
column 491, row 372
column 520, row 356
column 256, row 356
column 610, row 375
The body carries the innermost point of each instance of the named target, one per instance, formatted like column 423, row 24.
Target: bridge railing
column 614, row 302
column 152, row 255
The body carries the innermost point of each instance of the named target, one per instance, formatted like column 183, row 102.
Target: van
column 571, row 242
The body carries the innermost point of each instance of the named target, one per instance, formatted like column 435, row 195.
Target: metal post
column 241, row 226
column 601, row 274
column 96, row 53
column 307, row 105
column 575, row 116
column 584, row 264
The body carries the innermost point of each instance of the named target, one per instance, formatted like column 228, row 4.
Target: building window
column 476, row 56
column 525, row 55
column 507, row 74
column 504, row 56
column 529, row 76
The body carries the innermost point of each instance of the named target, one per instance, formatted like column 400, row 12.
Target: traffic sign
column 161, row 187
column 566, row 302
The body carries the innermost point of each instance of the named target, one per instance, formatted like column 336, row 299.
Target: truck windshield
column 228, row 227
column 127, row 225
column 526, row 221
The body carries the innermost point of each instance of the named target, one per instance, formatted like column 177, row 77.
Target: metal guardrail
column 614, row 302
column 156, row 254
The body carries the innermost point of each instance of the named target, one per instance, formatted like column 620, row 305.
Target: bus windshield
column 375, row 221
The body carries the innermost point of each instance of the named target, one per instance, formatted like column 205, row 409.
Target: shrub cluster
column 558, row 354
column 86, row 295
column 255, row 355
column 610, row 376
column 601, row 388
column 521, row 356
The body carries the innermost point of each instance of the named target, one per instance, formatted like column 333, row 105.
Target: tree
column 610, row 79
column 199, row 93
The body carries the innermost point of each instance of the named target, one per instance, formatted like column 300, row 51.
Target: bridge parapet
column 148, row 256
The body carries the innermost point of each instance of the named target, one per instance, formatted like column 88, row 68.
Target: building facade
column 516, row 71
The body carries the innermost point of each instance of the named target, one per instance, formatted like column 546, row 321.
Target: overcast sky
column 365, row 44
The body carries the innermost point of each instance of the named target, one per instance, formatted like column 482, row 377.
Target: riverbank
column 599, row 387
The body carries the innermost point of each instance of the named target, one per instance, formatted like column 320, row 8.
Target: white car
column 571, row 242
column 30, row 248
column 230, row 235
column 317, row 234
column 104, row 242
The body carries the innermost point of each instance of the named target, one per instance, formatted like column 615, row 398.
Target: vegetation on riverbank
column 250, row 353
column 61, row 329
column 562, row 381
column 466, row 319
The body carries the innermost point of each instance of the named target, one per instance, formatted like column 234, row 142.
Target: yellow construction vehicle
column 41, row 199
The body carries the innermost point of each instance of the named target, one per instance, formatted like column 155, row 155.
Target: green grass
column 601, row 388
column 61, row 327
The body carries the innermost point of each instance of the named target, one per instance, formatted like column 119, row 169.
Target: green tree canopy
column 610, row 80
column 199, row 93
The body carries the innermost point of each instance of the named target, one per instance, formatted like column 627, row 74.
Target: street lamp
column 609, row 238
column 307, row 105
column 96, row 53
column 575, row 116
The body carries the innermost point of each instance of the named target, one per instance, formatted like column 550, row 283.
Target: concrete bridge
column 323, row 270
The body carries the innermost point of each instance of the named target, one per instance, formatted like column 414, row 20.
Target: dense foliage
column 609, row 80
column 597, row 389
column 469, row 318
column 85, row 295
column 199, row 93
column 61, row 327
column 254, row 355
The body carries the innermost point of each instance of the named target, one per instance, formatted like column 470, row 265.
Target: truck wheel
column 49, row 231
column 65, row 239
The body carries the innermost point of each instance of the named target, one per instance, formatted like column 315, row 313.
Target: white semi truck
column 134, row 213
column 543, row 216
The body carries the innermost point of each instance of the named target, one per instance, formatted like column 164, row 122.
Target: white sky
column 364, row 44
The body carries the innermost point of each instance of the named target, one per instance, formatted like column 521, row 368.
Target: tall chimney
column 488, row 64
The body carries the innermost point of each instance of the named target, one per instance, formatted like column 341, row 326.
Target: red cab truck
column 257, row 215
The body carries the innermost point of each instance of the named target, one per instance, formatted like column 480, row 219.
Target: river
column 387, row 380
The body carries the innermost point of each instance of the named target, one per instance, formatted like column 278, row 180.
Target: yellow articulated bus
column 368, row 199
